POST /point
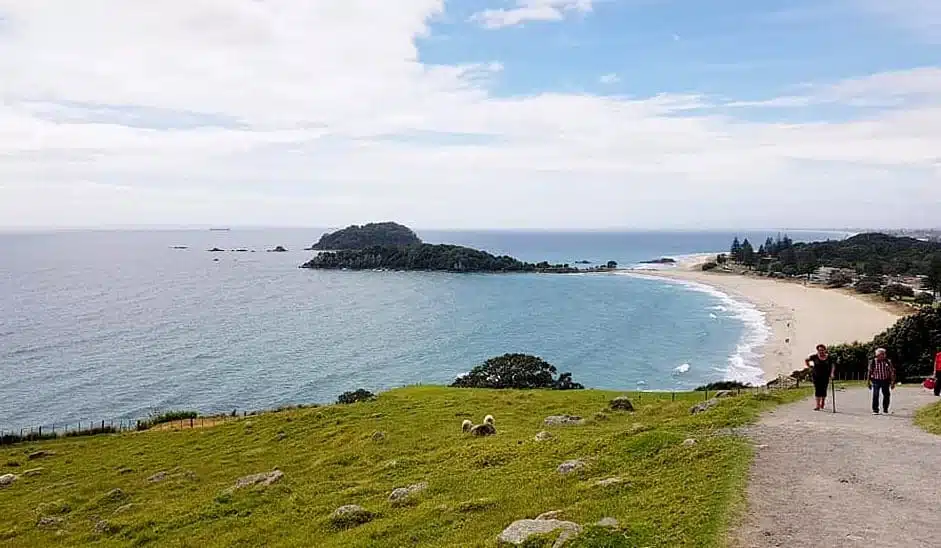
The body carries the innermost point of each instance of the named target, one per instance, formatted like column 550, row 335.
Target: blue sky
column 592, row 113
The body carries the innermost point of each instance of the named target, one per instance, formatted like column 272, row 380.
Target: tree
column 516, row 371
column 923, row 298
column 721, row 258
column 896, row 291
column 867, row 286
column 806, row 262
column 933, row 280
column 769, row 247
column 355, row 397
column 612, row 264
column 749, row 258
column 736, row 250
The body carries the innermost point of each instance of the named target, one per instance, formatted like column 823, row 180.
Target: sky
column 552, row 114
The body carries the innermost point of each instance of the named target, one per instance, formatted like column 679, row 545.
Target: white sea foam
column 744, row 364
column 679, row 370
column 713, row 316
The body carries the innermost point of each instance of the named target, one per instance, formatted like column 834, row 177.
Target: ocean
column 111, row 325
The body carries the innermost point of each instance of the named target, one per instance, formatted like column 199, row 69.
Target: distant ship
column 220, row 229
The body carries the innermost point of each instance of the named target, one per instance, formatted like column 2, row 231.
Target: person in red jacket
column 937, row 374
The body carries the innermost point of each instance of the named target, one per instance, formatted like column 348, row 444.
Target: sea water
column 99, row 325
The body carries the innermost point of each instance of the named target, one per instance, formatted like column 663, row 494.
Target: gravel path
column 844, row 479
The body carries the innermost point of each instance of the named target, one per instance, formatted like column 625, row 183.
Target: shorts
column 820, row 387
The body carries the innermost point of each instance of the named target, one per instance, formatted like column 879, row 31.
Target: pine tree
column 736, row 251
column 749, row 258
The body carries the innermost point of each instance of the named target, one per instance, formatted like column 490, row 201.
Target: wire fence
column 92, row 428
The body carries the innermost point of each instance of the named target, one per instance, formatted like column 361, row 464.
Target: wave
column 744, row 364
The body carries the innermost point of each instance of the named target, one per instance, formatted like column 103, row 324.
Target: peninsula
column 391, row 246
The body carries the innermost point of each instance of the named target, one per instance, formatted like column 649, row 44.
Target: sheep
column 485, row 429
column 466, row 426
column 488, row 420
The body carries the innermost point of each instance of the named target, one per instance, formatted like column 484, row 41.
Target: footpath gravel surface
column 845, row 479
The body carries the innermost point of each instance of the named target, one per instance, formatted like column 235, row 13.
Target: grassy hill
column 101, row 489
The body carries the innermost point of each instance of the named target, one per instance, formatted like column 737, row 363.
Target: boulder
column 403, row 493
column 570, row 466
column 621, row 403
column 158, row 477
column 264, row 479
column 49, row 522
column 689, row 442
column 544, row 436
column 703, row 406
column 7, row 480
column 564, row 420
column 608, row 523
column 554, row 514
column 521, row 530
column 724, row 394
column 115, row 495
column 33, row 472
column 41, row 454
column 378, row 436
column 350, row 516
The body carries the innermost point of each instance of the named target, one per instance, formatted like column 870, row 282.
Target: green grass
column 672, row 495
column 929, row 418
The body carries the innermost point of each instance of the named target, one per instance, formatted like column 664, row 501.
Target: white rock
column 405, row 492
column 570, row 466
column 564, row 420
column 7, row 480
column 609, row 523
column 519, row 531
column 608, row 481
column 688, row 442
column 543, row 436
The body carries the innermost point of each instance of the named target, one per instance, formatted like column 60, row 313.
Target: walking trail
column 844, row 479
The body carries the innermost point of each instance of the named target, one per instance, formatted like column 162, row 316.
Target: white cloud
column 282, row 112
column 610, row 78
column 531, row 10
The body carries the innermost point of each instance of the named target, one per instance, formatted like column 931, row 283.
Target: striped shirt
column 881, row 370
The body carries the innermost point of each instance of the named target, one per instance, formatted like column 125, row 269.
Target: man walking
column 937, row 374
column 881, row 379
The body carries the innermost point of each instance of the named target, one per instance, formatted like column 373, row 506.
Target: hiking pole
column 833, row 393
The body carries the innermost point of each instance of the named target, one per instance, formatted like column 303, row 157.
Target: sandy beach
column 800, row 317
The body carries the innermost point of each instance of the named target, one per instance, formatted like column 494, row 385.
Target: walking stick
column 833, row 393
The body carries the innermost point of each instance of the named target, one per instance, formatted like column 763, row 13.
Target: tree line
column 872, row 256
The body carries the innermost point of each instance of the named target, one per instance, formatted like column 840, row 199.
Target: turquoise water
column 113, row 325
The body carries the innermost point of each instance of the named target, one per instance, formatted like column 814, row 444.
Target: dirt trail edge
column 844, row 479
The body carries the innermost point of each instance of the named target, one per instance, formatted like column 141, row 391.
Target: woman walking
column 823, row 372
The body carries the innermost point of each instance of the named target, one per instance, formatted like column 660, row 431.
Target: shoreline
column 797, row 317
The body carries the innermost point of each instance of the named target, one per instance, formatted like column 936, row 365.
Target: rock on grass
column 564, row 420
column 570, row 466
column 7, row 480
column 621, row 403
column 703, row 406
column 350, row 515
column 521, row 530
column 403, row 493
column 264, row 479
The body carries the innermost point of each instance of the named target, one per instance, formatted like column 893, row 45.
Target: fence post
column 40, row 430
column 191, row 422
column 674, row 396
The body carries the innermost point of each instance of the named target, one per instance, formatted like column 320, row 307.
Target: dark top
column 822, row 368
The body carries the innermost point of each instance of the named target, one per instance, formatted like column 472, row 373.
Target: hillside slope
column 110, row 489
